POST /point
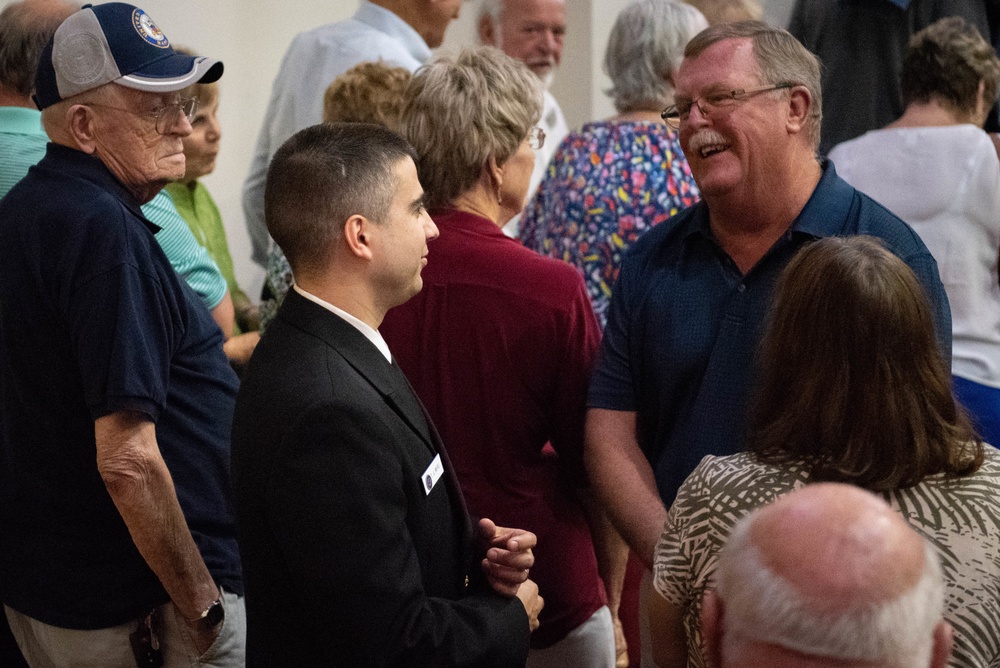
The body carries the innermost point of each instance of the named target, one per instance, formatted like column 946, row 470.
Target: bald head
column 850, row 547
column 25, row 27
column 829, row 575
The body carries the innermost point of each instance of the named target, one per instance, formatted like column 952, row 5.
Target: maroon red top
column 499, row 346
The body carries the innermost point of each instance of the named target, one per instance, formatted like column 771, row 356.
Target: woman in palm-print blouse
column 852, row 388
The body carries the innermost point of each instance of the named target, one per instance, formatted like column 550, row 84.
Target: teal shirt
column 22, row 144
column 187, row 256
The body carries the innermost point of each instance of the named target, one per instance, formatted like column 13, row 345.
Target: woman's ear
column 495, row 172
column 982, row 109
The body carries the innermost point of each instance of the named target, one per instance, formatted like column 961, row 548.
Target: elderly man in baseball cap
column 118, row 544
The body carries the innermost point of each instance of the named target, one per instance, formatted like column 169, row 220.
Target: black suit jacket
column 347, row 560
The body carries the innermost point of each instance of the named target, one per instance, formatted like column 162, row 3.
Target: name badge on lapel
column 432, row 474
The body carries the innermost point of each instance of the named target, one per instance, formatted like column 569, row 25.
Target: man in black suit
column 356, row 544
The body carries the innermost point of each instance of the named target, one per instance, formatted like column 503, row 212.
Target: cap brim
column 175, row 72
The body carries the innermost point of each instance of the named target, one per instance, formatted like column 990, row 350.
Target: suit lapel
column 363, row 356
column 387, row 379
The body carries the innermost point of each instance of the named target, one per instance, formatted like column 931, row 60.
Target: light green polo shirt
column 22, row 144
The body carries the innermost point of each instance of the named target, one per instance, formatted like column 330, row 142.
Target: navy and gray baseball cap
column 115, row 42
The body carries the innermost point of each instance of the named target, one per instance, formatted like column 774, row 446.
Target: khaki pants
column 46, row 646
column 590, row 645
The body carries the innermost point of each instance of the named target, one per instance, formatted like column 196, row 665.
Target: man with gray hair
column 25, row 27
column 686, row 314
column 531, row 31
column 827, row 576
column 119, row 545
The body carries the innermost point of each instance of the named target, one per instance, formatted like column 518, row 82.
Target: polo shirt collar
column 822, row 216
column 21, row 121
column 384, row 21
column 72, row 162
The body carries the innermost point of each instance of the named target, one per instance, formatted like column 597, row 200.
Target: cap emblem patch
column 148, row 30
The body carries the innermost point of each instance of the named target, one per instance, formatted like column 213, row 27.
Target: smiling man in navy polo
column 119, row 546
column 676, row 365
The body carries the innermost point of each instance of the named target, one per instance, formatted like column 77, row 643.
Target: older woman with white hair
column 500, row 341
column 615, row 179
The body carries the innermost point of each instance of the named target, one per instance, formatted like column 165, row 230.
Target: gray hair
column 461, row 110
column 645, row 48
column 25, row 28
column 780, row 58
column 761, row 606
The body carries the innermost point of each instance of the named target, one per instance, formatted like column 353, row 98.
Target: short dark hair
column 322, row 176
column 852, row 380
column 25, row 28
column 946, row 61
column 780, row 58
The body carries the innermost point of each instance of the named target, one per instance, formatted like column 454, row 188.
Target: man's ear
column 357, row 235
column 487, row 30
column 80, row 122
column 944, row 639
column 712, row 627
column 799, row 103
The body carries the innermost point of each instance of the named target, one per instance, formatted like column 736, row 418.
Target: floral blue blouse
column 605, row 186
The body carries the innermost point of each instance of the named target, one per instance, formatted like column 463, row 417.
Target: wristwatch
column 211, row 617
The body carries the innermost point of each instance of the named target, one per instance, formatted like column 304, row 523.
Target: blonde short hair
column 462, row 110
column 367, row 93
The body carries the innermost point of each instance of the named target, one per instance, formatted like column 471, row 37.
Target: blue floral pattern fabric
column 605, row 186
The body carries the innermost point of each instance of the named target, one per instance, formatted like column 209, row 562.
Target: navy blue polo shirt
column 94, row 320
column 684, row 324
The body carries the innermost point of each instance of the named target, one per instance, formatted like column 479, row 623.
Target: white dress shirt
column 370, row 333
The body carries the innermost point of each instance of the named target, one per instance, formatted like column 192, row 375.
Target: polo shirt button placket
column 742, row 287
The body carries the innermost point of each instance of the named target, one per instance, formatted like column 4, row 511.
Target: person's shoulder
column 515, row 271
column 54, row 197
column 845, row 151
column 351, row 41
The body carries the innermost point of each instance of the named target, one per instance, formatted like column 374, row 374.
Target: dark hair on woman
column 851, row 378
column 947, row 61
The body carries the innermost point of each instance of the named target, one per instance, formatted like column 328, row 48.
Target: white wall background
column 251, row 36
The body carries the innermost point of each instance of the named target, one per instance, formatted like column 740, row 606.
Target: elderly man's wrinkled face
column 128, row 143
column 533, row 31
column 730, row 148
